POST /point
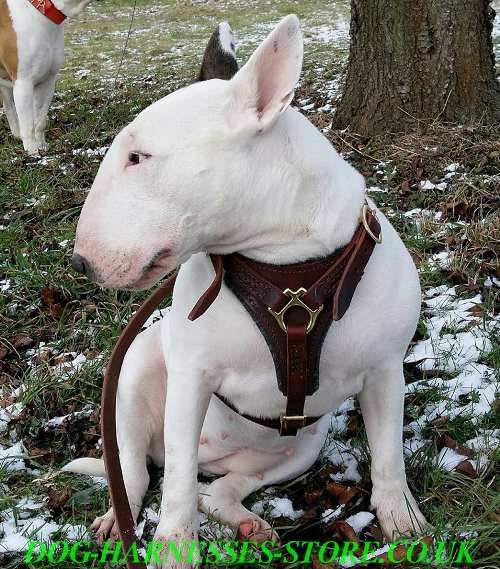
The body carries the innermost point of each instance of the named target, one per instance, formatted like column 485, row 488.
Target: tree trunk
column 419, row 60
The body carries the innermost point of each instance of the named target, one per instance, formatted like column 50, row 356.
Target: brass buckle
column 284, row 418
column 364, row 221
column 296, row 301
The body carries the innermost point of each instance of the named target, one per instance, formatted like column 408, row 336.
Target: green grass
column 48, row 303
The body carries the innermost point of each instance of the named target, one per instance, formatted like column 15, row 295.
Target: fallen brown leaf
column 343, row 531
column 57, row 499
column 313, row 496
column 341, row 492
column 447, row 441
column 465, row 467
column 21, row 341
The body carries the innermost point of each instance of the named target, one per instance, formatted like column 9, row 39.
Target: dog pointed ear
column 265, row 85
column 219, row 59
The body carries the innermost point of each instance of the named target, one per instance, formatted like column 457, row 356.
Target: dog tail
column 90, row 466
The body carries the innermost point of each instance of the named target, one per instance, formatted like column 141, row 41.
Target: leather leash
column 116, row 486
column 48, row 9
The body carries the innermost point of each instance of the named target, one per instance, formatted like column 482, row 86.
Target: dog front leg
column 382, row 400
column 185, row 409
column 23, row 98
column 42, row 98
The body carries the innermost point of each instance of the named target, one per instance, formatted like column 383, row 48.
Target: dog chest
column 8, row 45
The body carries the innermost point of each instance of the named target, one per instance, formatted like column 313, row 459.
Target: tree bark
column 419, row 60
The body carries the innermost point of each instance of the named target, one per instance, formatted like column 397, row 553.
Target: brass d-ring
column 364, row 221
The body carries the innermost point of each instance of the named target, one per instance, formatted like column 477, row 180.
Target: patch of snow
column 328, row 516
column 360, row 520
column 19, row 526
column 32, row 202
column 427, row 185
column 491, row 281
column 58, row 421
column 450, row 352
column 340, row 453
column 488, row 440
column 279, row 507
column 418, row 211
column 100, row 152
column 336, row 32
column 12, row 457
column 82, row 73
column 442, row 259
column 476, row 382
column 448, row 459
column 414, row 444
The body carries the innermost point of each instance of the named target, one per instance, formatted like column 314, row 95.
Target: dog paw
column 105, row 528
column 398, row 513
column 41, row 144
column 32, row 150
column 256, row 529
column 179, row 551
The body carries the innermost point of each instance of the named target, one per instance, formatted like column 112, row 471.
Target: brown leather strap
column 363, row 248
column 296, row 345
column 269, row 423
column 213, row 290
column 116, row 486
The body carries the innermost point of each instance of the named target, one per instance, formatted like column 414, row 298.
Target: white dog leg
column 382, row 401
column 23, row 98
column 43, row 97
column 139, row 421
column 187, row 400
column 10, row 109
column 222, row 498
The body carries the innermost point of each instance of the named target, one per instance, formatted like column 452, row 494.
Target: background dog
column 31, row 54
column 222, row 167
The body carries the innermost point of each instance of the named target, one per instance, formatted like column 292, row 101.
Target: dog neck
column 306, row 197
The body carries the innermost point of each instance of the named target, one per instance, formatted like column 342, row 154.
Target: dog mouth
column 157, row 267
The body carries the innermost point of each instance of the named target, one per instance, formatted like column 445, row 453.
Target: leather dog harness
column 49, row 10
column 292, row 305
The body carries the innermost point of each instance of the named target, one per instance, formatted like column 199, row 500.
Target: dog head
column 198, row 170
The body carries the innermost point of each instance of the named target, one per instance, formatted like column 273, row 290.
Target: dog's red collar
column 48, row 10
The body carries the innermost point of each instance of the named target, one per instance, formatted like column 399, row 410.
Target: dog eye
column 135, row 158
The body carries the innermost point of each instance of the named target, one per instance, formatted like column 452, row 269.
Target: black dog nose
column 79, row 263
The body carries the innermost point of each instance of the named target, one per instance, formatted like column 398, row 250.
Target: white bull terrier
column 222, row 167
column 31, row 54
